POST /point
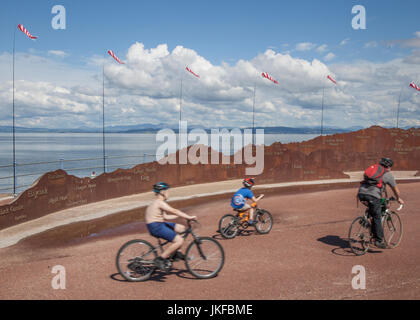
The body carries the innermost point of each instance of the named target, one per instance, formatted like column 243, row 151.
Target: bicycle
column 135, row 259
column 230, row 225
column 360, row 233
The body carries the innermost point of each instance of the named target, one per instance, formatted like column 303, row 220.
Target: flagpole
column 103, row 114
column 14, row 130
column 253, row 112
column 322, row 113
column 180, row 103
column 398, row 109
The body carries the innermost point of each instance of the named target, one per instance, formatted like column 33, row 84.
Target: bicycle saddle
column 365, row 203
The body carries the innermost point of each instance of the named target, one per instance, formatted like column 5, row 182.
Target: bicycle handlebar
column 189, row 222
column 255, row 204
column 393, row 199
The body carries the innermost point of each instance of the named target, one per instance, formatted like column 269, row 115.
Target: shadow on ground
column 159, row 276
column 342, row 245
column 241, row 233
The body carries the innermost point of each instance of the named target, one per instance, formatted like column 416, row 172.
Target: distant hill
column 153, row 128
column 109, row 129
column 306, row 130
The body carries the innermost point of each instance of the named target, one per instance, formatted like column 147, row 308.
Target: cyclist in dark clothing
column 372, row 195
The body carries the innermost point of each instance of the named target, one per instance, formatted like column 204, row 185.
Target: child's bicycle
column 230, row 225
column 360, row 233
column 204, row 257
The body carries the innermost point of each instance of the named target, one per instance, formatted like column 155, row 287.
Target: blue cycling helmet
column 160, row 186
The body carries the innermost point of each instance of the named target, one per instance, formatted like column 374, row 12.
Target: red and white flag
column 188, row 69
column 267, row 76
column 332, row 80
column 22, row 28
column 111, row 53
column 413, row 85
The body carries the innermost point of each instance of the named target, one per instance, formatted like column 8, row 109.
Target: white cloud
column 127, row 110
column 408, row 43
column 33, row 67
column 344, row 42
column 58, row 53
column 330, row 56
column 322, row 48
column 146, row 90
column 414, row 58
column 371, row 44
column 305, row 46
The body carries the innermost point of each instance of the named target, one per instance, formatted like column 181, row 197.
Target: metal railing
column 27, row 181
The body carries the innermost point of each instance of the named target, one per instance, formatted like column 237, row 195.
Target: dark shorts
column 164, row 230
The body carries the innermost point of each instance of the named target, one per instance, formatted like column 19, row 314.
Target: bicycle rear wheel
column 359, row 236
column 228, row 227
column 393, row 230
column 135, row 260
column 204, row 258
column 264, row 221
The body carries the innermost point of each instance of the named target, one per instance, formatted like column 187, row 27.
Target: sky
column 229, row 44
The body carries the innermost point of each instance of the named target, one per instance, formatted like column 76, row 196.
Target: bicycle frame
column 364, row 235
column 244, row 215
column 184, row 235
column 385, row 212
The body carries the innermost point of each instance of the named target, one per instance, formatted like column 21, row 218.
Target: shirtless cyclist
column 156, row 215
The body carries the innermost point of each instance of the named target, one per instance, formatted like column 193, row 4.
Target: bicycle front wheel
column 359, row 236
column 135, row 260
column 393, row 230
column 204, row 258
column 228, row 227
column 264, row 221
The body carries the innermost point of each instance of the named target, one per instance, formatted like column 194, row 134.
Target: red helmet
column 248, row 182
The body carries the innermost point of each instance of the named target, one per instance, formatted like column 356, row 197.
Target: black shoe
column 178, row 256
column 380, row 244
column 161, row 263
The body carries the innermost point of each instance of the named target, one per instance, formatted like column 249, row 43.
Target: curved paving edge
column 82, row 221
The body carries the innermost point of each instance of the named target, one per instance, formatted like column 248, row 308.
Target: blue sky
column 308, row 38
column 218, row 30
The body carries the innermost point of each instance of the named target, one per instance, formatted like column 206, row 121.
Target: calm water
column 42, row 147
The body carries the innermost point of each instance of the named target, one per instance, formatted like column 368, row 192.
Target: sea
column 81, row 154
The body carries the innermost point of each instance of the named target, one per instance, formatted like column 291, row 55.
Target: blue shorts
column 164, row 230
